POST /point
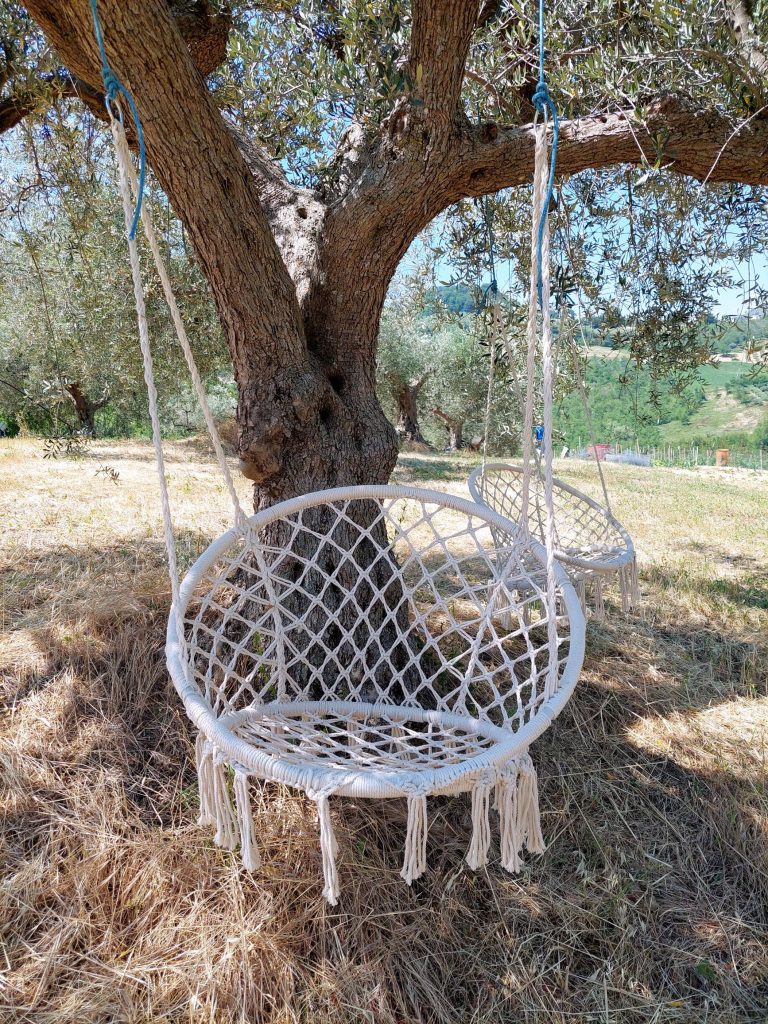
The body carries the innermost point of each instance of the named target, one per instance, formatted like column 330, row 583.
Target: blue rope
column 544, row 103
column 113, row 88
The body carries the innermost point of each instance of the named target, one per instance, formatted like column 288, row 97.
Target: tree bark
column 85, row 407
column 406, row 394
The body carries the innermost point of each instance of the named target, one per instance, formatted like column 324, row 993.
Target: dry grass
column 650, row 905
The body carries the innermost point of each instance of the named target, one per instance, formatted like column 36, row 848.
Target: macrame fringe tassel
column 598, row 607
column 329, row 849
column 624, row 588
column 204, row 759
column 415, row 859
column 224, row 817
column 528, row 813
column 248, row 848
column 477, row 854
column 517, row 800
column 506, row 805
column 581, row 591
column 635, row 582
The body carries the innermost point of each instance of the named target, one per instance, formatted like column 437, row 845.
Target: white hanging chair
column 367, row 641
column 349, row 643
column 589, row 541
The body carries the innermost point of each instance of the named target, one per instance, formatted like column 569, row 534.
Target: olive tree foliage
column 434, row 368
column 347, row 129
column 68, row 337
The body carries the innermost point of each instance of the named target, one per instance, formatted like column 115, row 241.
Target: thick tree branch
column 702, row 144
column 394, row 198
column 178, row 114
column 204, row 33
column 440, row 37
column 419, row 384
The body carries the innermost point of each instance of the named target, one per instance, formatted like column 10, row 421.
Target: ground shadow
column 650, row 904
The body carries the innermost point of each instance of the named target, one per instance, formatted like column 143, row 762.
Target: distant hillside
column 726, row 406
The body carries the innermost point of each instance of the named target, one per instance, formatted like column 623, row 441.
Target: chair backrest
column 587, row 536
column 377, row 595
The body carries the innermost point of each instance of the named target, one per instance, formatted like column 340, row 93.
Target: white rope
column 146, row 353
column 577, row 364
column 539, row 192
column 204, row 758
column 227, row 835
column 506, row 804
column 588, row 411
column 329, row 849
column 503, row 331
column 415, row 858
column 540, row 180
column 477, row 854
column 127, row 169
column 492, row 335
column 248, row 849
column 528, row 824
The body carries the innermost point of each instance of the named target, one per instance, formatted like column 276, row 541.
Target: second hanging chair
column 591, row 544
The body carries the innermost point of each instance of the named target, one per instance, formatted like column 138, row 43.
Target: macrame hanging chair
column 588, row 540
column 369, row 641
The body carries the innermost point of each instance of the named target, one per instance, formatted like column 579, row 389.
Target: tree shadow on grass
column 649, row 905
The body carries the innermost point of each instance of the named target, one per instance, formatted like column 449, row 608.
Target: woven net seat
column 388, row 743
column 590, row 542
column 364, row 642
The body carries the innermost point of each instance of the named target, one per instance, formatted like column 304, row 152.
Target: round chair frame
column 321, row 745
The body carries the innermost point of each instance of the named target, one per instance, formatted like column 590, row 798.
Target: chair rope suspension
column 582, row 535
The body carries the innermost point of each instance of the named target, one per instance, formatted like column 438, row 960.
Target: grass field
column 649, row 907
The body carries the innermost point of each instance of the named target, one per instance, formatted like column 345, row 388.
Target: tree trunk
column 456, row 435
column 407, row 426
column 85, row 408
column 455, row 428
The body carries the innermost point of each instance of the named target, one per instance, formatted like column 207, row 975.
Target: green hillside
column 735, row 402
column 726, row 405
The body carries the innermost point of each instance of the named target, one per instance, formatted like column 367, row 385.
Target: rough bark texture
column 85, row 407
column 299, row 278
column 742, row 23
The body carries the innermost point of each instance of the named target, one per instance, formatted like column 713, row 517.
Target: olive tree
column 305, row 164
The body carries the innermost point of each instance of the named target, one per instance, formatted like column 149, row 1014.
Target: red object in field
column 599, row 451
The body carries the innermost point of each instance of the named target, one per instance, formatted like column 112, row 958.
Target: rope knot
column 112, row 84
column 541, row 100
